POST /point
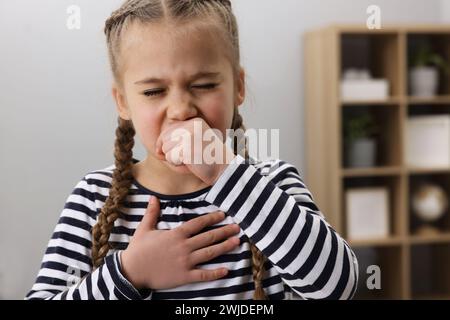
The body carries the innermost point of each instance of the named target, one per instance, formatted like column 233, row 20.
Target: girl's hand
column 164, row 259
column 194, row 144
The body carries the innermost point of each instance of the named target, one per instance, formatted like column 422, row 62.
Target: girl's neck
column 156, row 176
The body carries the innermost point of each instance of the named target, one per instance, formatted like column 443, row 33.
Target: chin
column 183, row 169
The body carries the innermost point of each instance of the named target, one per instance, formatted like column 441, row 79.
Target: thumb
column 151, row 215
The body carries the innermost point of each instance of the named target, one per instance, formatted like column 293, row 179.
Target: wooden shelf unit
column 412, row 266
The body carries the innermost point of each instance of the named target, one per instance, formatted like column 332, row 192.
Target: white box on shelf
column 373, row 89
column 367, row 213
column 428, row 141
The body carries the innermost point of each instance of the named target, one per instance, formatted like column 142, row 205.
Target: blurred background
column 362, row 113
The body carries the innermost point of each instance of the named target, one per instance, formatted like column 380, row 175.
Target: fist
column 194, row 144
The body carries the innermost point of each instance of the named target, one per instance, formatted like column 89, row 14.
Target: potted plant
column 424, row 74
column 360, row 140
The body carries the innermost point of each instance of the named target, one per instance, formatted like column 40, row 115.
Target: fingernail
column 152, row 200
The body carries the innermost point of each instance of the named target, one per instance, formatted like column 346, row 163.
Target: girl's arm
column 275, row 210
column 66, row 270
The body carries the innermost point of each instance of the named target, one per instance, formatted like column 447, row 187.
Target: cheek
column 147, row 124
column 218, row 112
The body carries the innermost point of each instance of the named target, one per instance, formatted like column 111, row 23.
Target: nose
column 181, row 107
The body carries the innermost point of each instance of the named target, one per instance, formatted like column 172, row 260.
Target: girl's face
column 175, row 76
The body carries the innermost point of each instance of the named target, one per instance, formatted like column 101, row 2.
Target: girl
column 167, row 228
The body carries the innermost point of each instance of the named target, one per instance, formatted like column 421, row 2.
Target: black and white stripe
column 269, row 201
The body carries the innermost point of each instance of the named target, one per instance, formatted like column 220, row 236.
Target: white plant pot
column 362, row 153
column 424, row 81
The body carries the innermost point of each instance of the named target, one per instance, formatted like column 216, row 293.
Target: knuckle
column 178, row 231
column 210, row 220
column 231, row 228
column 231, row 243
column 209, row 253
column 204, row 276
column 212, row 237
column 204, row 223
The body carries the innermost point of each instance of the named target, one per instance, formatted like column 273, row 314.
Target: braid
column 258, row 258
column 121, row 181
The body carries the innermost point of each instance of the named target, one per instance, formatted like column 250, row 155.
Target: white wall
column 57, row 117
column 445, row 11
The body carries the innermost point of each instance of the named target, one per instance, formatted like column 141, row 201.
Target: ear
column 121, row 105
column 240, row 93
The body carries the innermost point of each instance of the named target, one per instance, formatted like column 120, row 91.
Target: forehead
column 163, row 50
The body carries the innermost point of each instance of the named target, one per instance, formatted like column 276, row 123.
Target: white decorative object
column 424, row 81
column 359, row 85
column 367, row 213
column 429, row 202
column 428, row 141
column 364, row 90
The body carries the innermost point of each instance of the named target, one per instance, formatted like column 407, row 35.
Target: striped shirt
column 306, row 257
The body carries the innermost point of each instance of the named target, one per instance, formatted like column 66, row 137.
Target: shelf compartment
column 424, row 109
column 388, row 259
column 378, row 53
column 388, row 120
column 442, row 225
column 438, row 43
column 395, row 200
column 430, row 276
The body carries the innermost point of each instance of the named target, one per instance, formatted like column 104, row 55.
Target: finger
column 169, row 144
column 208, row 238
column 201, row 275
column 196, row 225
column 159, row 145
column 173, row 131
column 175, row 156
column 166, row 142
column 151, row 215
column 211, row 252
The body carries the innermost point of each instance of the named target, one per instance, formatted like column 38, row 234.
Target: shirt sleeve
column 276, row 211
column 66, row 271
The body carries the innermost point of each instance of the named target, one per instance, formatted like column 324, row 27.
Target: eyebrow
column 192, row 78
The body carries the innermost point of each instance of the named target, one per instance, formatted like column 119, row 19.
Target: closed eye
column 155, row 92
column 206, row 86
column 151, row 93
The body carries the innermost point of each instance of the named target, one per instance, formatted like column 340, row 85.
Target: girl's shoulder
column 104, row 174
column 98, row 178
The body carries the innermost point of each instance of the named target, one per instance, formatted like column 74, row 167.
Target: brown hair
column 152, row 11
